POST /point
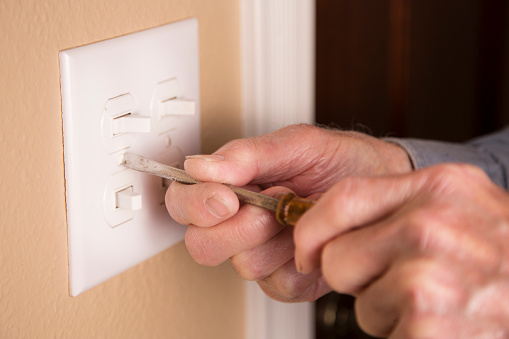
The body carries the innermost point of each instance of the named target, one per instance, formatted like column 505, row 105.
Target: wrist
column 396, row 158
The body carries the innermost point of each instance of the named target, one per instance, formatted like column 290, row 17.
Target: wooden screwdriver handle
column 291, row 208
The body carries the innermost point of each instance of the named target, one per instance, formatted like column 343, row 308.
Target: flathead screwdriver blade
column 142, row 164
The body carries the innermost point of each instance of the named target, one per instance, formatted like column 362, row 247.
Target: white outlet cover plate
column 134, row 66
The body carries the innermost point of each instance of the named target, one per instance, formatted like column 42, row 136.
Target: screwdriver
column 288, row 208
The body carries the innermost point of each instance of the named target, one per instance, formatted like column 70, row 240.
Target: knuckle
column 243, row 234
column 430, row 230
column 342, row 191
column 456, row 174
column 419, row 231
column 415, row 296
column 330, row 263
column 349, row 185
column 289, row 285
column 293, row 288
column 430, row 288
column 299, row 129
column 192, row 204
column 289, row 288
column 201, row 249
column 257, row 226
column 239, row 148
column 472, row 171
column 248, row 268
column 340, row 195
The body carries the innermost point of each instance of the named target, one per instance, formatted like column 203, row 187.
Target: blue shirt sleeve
column 490, row 152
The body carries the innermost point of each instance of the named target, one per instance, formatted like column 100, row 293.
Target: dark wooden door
column 435, row 69
column 421, row 68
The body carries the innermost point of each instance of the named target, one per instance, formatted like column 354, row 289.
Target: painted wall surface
column 168, row 296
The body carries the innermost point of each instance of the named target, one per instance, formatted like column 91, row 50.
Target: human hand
column 304, row 159
column 426, row 254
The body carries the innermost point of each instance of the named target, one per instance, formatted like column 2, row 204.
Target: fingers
column 270, row 158
column 272, row 266
column 249, row 228
column 425, row 299
column 360, row 202
column 259, row 247
column 416, row 287
column 422, row 231
column 350, row 204
column 261, row 261
column 305, row 158
column 354, row 259
column 413, row 210
column 288, row 285
column 410, row 247
column 205, row 204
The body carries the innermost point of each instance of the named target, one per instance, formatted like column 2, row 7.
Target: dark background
column 434, row 69
column 421, row 68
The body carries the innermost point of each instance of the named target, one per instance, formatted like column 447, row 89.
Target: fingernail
column 206, row 157
column 218, row 207
column 298, row 266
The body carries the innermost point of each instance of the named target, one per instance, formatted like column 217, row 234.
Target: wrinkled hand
column 426, row 253
column 304, row 159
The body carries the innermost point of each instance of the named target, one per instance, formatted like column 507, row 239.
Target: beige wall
column 167, row 296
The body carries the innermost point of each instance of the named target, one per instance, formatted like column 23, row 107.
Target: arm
column 491, row 153
column 425, row 252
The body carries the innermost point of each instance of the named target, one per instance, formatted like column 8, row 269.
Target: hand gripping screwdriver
column 288, row 208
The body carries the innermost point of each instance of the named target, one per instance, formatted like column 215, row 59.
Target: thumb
column 270, row 158
column 351, row 204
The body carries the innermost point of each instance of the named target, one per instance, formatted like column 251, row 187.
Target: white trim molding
column 278, row 56
column 278, row 48
column 266, row 318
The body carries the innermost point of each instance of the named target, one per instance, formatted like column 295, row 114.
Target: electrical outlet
column 136, row 93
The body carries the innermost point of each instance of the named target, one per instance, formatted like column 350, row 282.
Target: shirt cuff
column 425, row 153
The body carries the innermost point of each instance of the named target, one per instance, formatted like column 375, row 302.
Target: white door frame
column 278, row 63
column 278, row 45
